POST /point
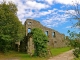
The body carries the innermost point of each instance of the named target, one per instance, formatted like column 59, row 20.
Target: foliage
column 75, row 42
column 76, row 52
column 40, row 42
column 77, row 58
column 11, row 29
column 74, row 13
column 75, row 37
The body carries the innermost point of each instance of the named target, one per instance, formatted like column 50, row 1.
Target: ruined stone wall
column 55, row 38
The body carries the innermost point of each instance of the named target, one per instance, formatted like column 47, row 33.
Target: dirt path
column 10, row 59
column 65, row 56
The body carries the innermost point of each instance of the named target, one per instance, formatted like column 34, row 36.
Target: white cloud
column 15, row 1
column 43, row 13
column 55, row 19
column 36, row 5
column 26, row 7
column 69, row 27
column 78, row 27
column 71, row 12
column 49, row 1
column 67, row 1
column 0, row 1
column 31, row 9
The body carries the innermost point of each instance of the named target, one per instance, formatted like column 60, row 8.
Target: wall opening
column 29, row 30
column 53, row 34
column 29, row 23
column 46, row 32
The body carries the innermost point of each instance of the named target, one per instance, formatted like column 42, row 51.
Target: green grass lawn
column 57, row 51
column 21, row 56
column 27, row 57
column 24, row 56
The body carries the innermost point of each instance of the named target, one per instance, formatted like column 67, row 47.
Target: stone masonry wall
column 55, row 40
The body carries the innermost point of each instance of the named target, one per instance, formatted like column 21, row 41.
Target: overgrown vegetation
column 75, row 42
column 40, row 42
column 75, row 36
column 11, row 29
column 24, row 56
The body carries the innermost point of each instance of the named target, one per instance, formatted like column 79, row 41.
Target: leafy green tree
column 75, row 42
column 11, row 29
column 75, row 37
column 40, row 42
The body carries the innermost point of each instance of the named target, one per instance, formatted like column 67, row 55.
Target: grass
column 57, row 51
column 21, row 56
column 27, row 57
column 24, row 56
column 77, row 58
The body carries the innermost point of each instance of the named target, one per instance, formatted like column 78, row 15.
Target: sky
column 50, row 13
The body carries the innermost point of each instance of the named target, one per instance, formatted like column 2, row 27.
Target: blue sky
column 50, row 13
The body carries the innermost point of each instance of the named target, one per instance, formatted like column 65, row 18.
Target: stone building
column 56, row 39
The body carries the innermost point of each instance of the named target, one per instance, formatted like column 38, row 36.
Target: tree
column 40, row 42
column 11, row 29
column 74, row 13
column 75, row 42
column 75, row 36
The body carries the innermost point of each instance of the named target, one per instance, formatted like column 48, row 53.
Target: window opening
column 53, row 34
column 29, row 23
column 46, row 32
column 29, row 30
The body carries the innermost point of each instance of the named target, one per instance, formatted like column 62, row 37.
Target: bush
column 5, row 45
column 40, row 42
column 75, row 42
column 76, row 52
